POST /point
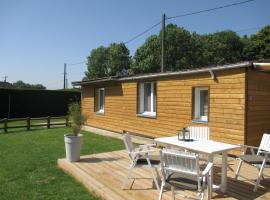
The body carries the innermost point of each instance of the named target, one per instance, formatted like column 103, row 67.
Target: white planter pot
column 73, row 147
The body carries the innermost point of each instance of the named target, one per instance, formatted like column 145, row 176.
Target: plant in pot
column 74, row 140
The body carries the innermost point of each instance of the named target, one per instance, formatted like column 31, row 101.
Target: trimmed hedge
column 36, row 103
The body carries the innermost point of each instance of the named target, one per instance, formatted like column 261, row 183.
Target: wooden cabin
column 233, row 100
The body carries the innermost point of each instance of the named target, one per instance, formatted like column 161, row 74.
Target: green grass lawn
column 28, row 168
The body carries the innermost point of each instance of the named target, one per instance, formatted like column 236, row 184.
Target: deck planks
column 103, row 174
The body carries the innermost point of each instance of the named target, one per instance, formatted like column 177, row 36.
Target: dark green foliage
column 221, row 47
column 178, row 45
column 28, row 167
column 257, row 46
column 183, row 50
column 21, row 85
column 118, row 59
column 108, row 61
column 147, row 57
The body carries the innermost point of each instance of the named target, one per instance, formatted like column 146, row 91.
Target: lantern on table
column 184, row 134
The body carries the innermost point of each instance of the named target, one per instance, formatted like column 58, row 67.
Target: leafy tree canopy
column 257, row 46
column 21, row 85
column 183, row 50
column 108, row 61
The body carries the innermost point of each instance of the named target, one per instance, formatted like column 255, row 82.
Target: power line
column 178, row 16
column 142, row 33
column 210, row 9
column 185, row 15
column 77, row 63
column 248, row 29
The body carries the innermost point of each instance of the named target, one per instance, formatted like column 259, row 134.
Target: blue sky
column 38, row 36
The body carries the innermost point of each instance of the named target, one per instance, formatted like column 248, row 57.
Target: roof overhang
column 260, row 66
column 193, row 71
column 265, row 67
column 97, row 82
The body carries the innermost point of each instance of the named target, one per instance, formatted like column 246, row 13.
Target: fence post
column 28, row 123
column 5, row 124
column 48, row 122
column 67, row 121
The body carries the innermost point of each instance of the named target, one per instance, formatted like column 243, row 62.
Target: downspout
column 246, row 107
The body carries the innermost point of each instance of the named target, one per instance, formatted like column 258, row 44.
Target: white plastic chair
column 141, row 157
column 260, row 160
column 199, row 132
column 181, row 169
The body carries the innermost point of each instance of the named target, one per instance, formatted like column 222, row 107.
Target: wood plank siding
column 174, row 106
column 258, row 113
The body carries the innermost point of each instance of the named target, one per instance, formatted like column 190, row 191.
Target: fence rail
column 48, row 122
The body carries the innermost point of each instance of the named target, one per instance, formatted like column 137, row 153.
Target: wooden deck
column 103, row 174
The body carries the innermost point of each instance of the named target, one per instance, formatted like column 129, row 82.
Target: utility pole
column 65, row 73
column 5, row 78
column 162, row 43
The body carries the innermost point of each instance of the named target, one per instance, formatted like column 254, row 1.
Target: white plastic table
column 207, row 147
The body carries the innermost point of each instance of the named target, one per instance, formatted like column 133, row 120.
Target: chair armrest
column 146, row 146
column 139, row 152
column 246, row 147
column 207, row 169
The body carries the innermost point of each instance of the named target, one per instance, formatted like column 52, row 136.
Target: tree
column 147, row 57
column 177, row 48
column 97, row 63
column 222, row 47
column 108, row 61
column 21, row 85
column 118, row 59
column 257, row 46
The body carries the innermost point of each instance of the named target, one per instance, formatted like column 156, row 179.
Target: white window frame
column 100, row 107
column 150, row 113
column 197, row 104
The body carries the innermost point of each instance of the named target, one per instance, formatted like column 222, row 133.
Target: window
column 200, row 104
column 147, row 99
column 99, row 100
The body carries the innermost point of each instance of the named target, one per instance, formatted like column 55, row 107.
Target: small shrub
column 76, row 116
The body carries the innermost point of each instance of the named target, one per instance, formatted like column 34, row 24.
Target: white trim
column 142, row 111
column 101, row 108
column 197, row 104
column 261, row 64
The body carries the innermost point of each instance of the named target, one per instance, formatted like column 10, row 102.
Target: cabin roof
column 258, row 65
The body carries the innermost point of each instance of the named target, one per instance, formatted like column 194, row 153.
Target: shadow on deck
column 103, row 174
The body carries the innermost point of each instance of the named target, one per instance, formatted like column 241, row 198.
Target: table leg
column 210, row 160
column 224, row 172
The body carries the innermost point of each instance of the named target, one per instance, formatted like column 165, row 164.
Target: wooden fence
column 5, row 122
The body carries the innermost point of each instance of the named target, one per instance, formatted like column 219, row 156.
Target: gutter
column 262, row 66
column 209, row 69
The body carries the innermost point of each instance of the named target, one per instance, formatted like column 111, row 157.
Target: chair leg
column 128, row 175
column 173, row 193
column 259, row 177
column 238, row 169
column 158, row 176
column 201, row 195
column 161, row 191
column 153, row 174
column 209, row 191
